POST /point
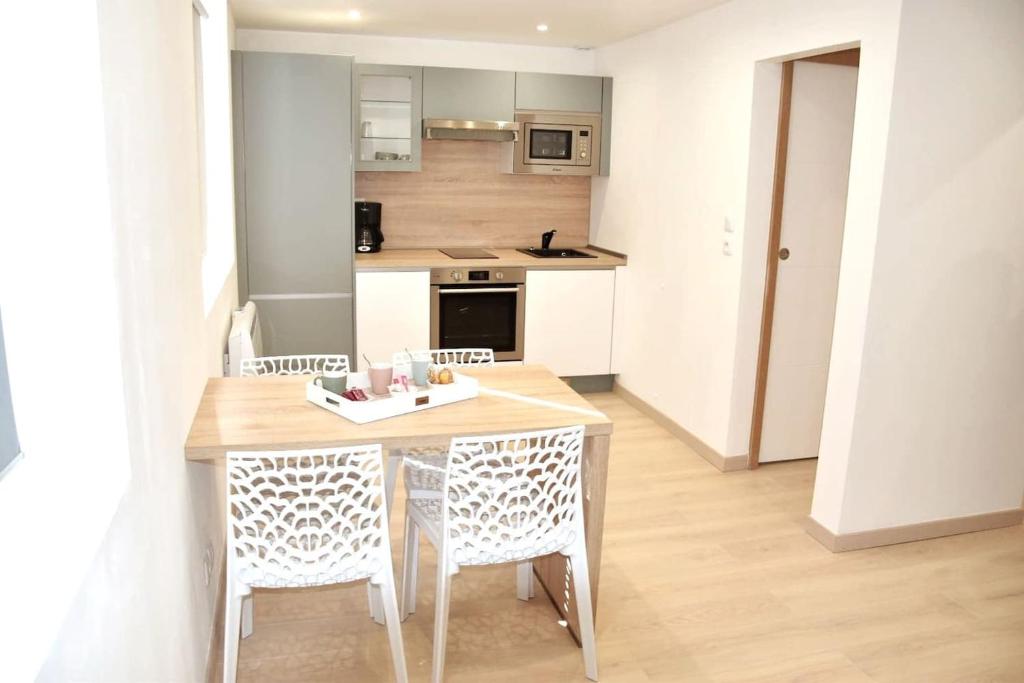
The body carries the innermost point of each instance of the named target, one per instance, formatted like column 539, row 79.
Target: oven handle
column 480, row 290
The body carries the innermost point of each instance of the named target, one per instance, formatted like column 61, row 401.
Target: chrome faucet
column 545, row 239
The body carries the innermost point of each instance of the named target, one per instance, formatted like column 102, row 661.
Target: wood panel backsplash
column 461, row 198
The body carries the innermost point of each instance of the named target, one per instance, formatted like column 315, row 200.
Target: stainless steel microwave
column 557, row 143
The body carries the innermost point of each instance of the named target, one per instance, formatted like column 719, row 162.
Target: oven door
column 550, row 144
column 469, row 316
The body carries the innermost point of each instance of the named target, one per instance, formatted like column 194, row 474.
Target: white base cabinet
column 392, row 313
column 569, row 320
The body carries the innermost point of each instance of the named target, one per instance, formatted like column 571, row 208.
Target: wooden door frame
column 849, row 57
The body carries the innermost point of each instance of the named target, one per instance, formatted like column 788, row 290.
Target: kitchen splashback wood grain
column 461, row 198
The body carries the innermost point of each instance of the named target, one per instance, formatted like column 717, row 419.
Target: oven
column 558, row 143
column 478, row 308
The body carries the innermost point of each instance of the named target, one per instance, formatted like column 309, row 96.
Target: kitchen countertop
column 416, row 259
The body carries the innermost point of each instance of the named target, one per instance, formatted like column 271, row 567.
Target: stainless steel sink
column 556, row 253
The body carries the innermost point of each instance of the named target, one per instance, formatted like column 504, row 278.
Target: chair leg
column 232, row 628
column 441, row 605
column 392, row 463
column 376, row 607
column 394, row 626
column 581, row 580
column 247, row 608
column 410, row 564
column 524, row 580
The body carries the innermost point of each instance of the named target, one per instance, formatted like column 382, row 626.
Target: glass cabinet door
column 470, row 318
column 388, row 112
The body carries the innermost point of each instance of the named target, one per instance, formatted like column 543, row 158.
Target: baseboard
column 213, row 670
column 860, row 540
column 820, row 534
column 724, row 463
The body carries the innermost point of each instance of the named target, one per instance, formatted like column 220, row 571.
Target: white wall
column 143, row 610
column 422, row 51
column 61, row 326
column 924, row 413
column 940, row 414
column 681, row 170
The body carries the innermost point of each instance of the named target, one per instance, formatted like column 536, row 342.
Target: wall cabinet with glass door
column 388, row 108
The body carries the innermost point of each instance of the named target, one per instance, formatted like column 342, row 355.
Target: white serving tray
column 382, row 407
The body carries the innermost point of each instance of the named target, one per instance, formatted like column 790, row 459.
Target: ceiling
column 572, row 23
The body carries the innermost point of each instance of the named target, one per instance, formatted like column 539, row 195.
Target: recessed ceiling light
column 355, row 15
column 542, row 27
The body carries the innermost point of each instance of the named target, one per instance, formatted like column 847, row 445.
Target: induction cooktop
column 463, row 253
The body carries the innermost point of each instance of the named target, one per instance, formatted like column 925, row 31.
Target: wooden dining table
column 271, row 413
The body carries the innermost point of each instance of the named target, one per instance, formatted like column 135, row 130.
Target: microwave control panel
column 583, row 146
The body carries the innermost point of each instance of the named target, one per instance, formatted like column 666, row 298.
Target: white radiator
column 244, row 340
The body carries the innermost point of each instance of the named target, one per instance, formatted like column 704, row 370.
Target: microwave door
column 551, row 145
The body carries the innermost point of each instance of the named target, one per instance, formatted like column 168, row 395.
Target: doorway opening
column 808, row 213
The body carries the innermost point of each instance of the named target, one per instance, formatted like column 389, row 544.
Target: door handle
column 480, row 290
column 783, row 254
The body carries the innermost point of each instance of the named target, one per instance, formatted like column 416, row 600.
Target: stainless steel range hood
column 449, row 129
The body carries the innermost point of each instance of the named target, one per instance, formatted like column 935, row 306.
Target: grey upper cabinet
column 387, row 107
column 556, row 92
column 469, row 94
column 293, row 178
column 606, row 127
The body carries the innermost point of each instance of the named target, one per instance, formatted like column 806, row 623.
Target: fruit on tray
column 440, row 374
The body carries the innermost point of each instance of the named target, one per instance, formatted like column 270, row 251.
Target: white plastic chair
column 466, row 356
column 306, row 518
column 506, row 498
column 294, row 365
column 425, row 482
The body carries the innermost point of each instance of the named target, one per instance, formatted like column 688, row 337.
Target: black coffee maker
column 368, row 234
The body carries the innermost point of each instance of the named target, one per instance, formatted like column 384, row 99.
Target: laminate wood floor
column 705, row 577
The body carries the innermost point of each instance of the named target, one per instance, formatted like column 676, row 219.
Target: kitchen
column 454, row 173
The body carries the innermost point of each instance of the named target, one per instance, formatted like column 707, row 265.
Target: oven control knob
column 583, row 155
column 499, row 276
column 456, row 275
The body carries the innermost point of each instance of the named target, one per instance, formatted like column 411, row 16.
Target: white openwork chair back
column 484, row 357
column 513, row 497
column 305, row 518
column 294, row 365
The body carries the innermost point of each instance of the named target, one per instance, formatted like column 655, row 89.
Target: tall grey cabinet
column 293, row 182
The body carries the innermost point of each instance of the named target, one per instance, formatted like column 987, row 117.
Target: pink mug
column 380, row 377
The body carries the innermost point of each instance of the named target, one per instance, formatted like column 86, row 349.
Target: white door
column 813, row 214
